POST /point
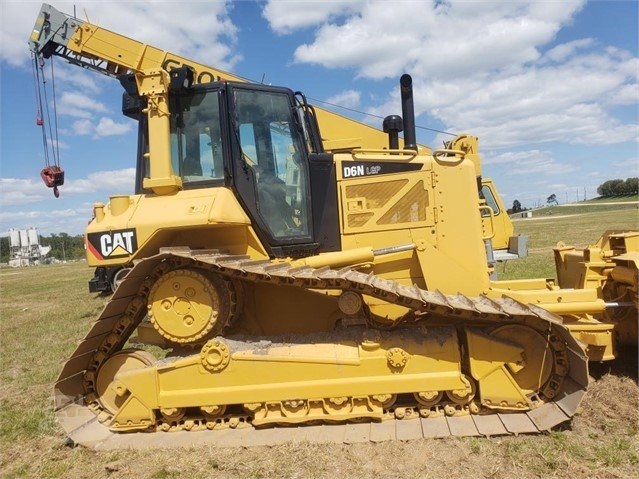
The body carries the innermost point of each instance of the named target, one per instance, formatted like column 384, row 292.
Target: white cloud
column 83, row 127
column 104, row 127
column 112, row 182
column 77, row 79
column 200, row 30
column 122, row 180
column 72, row 217
column 69, row 220
column 539, row 102
column 545, row 165
column 346, row 99
column 484, row 67
column 74, row 103
column 20, row 215
column 286, row 17
column 625, row 94
column 444, row 42
column 18, row 191
column 53, row 143
column 510, row 157
column 36, row 215
column 558, row 186
column 561, row 52
column 529, row 162
column 16, row 22
column 108, row 127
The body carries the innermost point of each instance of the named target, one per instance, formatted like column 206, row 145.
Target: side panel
column 385, row 202
column 324, row 202
column 432, row 204
column 136, row 226
column 456, row 261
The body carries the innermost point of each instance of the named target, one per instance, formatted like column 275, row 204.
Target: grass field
column 614, row 199
column 45, row 310
column 579, row 226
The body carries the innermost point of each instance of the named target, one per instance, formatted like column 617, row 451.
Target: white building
column 25, row 248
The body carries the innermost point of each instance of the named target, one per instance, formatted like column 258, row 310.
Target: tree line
column 618, row 187
column 608, row 189
column 63, row 246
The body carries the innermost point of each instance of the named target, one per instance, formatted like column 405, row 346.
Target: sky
column 549, row 87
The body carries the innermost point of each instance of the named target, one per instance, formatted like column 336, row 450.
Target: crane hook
column 53, row 176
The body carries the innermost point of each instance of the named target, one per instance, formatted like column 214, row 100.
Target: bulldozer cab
column 249, row 138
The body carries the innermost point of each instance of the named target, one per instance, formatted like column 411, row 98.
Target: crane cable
column 372, row 115
column 52, row 174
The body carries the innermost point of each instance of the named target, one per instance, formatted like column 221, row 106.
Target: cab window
column 196, row 141
column 487, row 193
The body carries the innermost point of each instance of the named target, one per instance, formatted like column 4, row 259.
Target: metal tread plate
column 89, row 432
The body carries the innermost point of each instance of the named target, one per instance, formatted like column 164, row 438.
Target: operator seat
column 276, row 211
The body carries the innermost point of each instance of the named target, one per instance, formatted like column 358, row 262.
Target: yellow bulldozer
column 309, row 276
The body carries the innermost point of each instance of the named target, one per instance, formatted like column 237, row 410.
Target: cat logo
column 112, row 244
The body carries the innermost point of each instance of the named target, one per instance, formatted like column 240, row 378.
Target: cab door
column 271, row 171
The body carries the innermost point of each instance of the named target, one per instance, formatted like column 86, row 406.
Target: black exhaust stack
column 408, row 112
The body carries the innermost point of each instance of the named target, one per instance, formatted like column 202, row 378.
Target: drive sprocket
column 188, row 306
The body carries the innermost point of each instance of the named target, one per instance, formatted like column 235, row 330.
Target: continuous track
column 80, row 414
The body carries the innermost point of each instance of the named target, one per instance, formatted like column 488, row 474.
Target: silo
column 33, row 236
column 24, row 239
column 14, row 238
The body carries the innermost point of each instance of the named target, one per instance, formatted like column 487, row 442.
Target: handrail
column 491, row 214
column 386, row 152
column 437, row 154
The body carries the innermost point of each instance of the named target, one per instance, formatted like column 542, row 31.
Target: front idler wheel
column 125, row 360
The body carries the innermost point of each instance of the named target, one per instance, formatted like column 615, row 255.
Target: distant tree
column 552, row 199
column 64, row 246
column 516, row 206
column 631, row 186
column 4, row 249
column 604, row 189
column 618, row 187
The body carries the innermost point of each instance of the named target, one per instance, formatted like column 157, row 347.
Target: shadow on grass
column 625, row 365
